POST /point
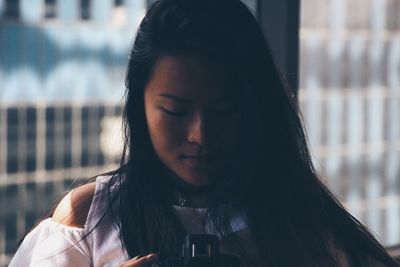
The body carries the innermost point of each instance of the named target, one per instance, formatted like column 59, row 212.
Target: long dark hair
column 293, row 218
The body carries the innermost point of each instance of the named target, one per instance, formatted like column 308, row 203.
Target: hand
column 145, row 261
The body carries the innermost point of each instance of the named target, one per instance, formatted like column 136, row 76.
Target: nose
column 197, row 131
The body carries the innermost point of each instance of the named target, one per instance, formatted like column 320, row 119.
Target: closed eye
column 223, row 109
column 173, row 113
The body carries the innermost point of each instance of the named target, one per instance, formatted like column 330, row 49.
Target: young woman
column 214, row 144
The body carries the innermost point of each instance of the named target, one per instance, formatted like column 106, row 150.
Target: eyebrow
column 177, row 98
column 184, row 100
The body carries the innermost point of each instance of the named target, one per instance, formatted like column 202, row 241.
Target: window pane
column 350, row 99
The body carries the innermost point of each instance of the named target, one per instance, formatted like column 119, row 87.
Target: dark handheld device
column 200, row 251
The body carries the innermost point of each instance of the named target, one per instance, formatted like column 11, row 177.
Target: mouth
column 196, row 160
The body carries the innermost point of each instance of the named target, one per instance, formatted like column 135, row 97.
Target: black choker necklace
column 189, row 188
column 184, row 189
column 182, row 201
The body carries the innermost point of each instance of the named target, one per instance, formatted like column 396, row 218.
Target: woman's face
column 192, row 115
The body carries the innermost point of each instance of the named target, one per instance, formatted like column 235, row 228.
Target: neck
column 189, row 195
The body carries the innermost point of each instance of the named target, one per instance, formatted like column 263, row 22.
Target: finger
column 137, row 257
column 141, row 261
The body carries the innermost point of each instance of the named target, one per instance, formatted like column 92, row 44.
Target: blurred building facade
column 62, row 68
column 350, row 99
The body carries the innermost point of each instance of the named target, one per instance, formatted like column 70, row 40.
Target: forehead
column 191, row 77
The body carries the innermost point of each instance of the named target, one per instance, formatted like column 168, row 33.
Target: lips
column 199, row 158
column 196, row 160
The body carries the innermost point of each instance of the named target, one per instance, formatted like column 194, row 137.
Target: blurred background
column 62, row 67
column 350, row 99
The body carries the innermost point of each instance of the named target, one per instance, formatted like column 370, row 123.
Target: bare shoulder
column 342, row 257
column 338, row 252
column 74, row 207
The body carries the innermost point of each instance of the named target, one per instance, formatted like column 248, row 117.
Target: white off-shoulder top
column 53, row 244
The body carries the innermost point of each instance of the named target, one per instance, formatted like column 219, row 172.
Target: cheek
column 228, row 131
column 164, row 135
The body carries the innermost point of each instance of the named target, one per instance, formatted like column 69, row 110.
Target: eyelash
column 173, row 113
column 177, row 114
column 224, row 111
